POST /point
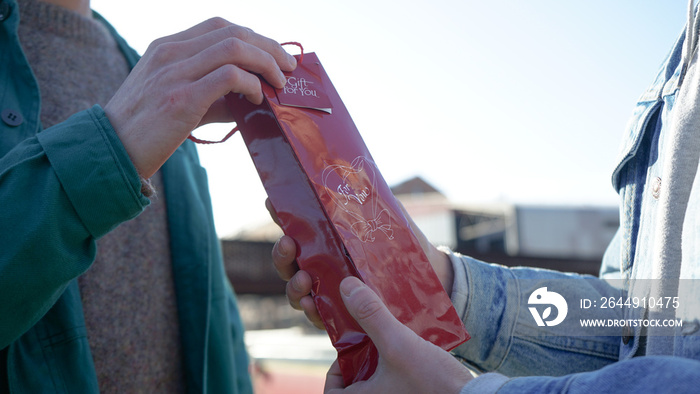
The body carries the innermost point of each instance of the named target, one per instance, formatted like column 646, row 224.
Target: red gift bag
column 331, row 198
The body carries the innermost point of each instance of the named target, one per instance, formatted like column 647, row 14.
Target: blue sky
column 515, row 101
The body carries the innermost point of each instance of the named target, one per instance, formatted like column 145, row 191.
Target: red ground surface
column 288, row 379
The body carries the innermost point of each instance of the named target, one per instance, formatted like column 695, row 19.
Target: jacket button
column 11, row 117
column 690, row 327
column 656, row 188
column 4, row 10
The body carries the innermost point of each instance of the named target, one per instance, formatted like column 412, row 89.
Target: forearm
column 60, row 192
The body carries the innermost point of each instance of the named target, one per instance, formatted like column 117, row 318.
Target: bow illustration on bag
column 365, row 229
column 351, row 187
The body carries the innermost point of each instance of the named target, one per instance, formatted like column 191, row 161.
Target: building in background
column 565, row 238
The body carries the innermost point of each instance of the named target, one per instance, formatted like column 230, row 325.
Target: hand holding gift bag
column 331, row 198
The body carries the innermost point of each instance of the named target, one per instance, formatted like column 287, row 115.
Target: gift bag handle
column 233, row 131
column 301, row 55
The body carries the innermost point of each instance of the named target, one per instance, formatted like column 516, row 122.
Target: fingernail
column 350, row 285
column 292, row 60
column 295, row 284
column 281, row 249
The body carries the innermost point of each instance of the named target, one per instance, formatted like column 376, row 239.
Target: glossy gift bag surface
column 331, row 198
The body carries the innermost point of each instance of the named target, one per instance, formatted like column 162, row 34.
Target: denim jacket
column 63, row 187
column 656, row 248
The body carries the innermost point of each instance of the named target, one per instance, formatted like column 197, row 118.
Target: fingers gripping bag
column 331, row 198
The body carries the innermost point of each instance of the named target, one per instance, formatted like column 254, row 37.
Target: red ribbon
column 198, row 141
column 301, row 56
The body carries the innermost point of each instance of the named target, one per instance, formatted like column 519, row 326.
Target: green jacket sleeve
column 59, row 192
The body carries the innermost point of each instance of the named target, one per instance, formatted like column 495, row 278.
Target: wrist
column 443, row 268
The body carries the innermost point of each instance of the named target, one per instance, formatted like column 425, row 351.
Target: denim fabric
column 493, row 301
column 653, row 374
column 505, row 337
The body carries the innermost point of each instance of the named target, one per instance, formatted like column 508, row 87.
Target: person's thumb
column 372, row 315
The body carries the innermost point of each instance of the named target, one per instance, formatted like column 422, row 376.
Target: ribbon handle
column 301, row 56
column 235, row 129
column 205, row 142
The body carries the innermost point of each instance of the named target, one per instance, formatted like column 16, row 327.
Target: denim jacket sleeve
column 493, row 302
column 59, row 192
column 653, row 374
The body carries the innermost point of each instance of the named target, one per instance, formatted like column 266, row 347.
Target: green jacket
column 61, row 189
